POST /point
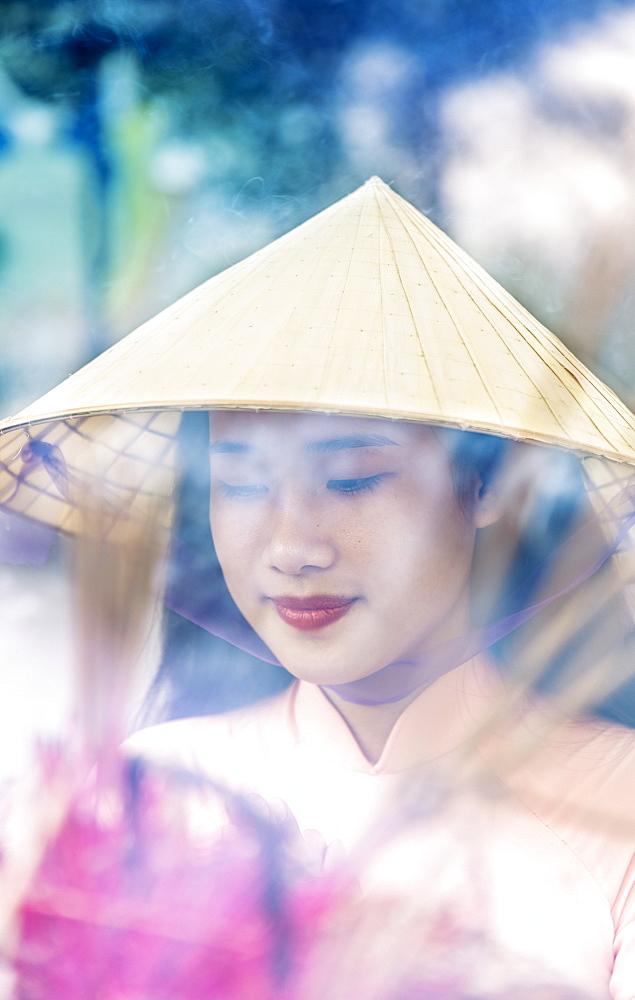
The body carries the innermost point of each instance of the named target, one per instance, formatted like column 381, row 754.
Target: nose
column 298, row 542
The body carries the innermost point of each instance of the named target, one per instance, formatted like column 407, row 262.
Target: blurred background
column 148, row 144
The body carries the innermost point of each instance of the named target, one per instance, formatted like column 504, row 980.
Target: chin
column 325, row 677
column 317, row 667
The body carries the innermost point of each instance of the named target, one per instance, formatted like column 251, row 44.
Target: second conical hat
column 367, row 308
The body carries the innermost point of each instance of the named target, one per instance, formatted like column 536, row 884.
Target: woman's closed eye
column 243, row 491
column 358, row 484
column 346, row 486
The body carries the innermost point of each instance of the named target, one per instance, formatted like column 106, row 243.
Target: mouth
column 310, row 613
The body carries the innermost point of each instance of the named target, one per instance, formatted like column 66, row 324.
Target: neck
column 372, row 705
column 371, row 725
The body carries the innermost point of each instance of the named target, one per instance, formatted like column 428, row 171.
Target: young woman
column 348, row 546
column 364, row 526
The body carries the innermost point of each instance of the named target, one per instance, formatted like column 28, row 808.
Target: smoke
column 376, row 82
column 225, row 125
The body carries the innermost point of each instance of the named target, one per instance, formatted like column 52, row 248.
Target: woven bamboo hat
column 367, row 309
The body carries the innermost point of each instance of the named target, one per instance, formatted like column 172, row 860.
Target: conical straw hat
column 367, row 308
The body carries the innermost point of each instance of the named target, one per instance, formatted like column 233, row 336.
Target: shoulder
column 213, row 743
column 586, row 761
column 577, row 780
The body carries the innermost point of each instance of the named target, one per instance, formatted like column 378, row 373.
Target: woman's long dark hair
column 199, row 673
column 202, row 674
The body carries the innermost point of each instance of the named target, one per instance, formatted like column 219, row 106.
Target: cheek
column 424, row 548
column 383, row 548
column 234, row 541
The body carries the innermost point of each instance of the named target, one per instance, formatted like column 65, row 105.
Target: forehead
column 269, row 428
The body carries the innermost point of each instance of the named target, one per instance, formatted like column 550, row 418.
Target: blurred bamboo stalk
column 118, row 558
column 117, row 571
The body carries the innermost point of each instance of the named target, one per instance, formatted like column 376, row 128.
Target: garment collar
column 444, row 716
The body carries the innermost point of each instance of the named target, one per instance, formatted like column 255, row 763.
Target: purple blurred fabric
column 202, row 597
column 24, row 542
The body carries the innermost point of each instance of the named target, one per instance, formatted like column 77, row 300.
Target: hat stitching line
column 514, row 313
column 384, row 229
column 328, row 366
column 457, row 325
column 538, row 336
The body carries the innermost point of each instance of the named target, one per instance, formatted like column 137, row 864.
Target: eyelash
column 242, row 492
column 346, row 487
column 352, row 486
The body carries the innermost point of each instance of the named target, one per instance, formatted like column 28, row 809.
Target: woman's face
column 341, row 539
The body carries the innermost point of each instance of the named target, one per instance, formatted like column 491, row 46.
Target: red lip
column 310, row 613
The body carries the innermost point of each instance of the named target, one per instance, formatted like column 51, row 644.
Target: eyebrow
column 319, row 447
column 352, row 441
